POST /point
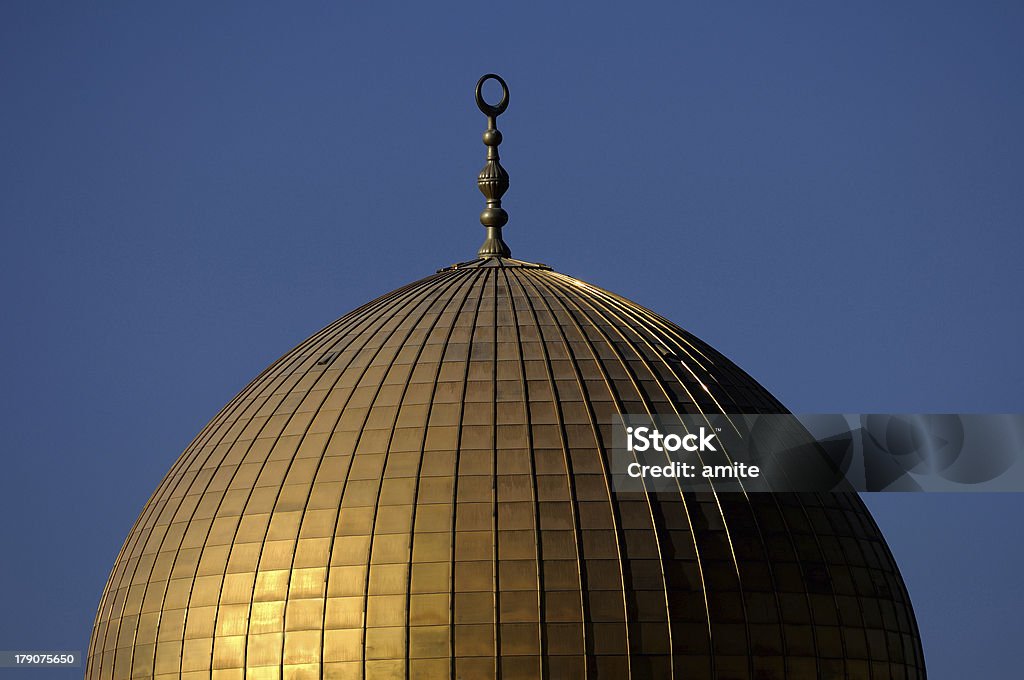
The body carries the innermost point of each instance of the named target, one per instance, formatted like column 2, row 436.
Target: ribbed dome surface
column 422, row 490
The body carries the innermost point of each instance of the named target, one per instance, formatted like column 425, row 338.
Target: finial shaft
column 493, row 180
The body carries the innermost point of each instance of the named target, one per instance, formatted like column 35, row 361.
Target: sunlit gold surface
column 433, row 501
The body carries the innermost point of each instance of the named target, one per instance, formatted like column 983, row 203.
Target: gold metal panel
column 564, row 638
column 308, row 671
column 229, row 652
column 302, row 647
column 518, row 639
column 517, row 575
column 266, row 617
column 228, row 674
column 433, row 547
column 308, row 583
column 344, row 612
column 517, row 545
column 237, row 588
column 199, row 622
column 345, row 670
column 172, row 626
column 143, row 656
column 318, row 523
column 346, row 580
column 177, row 593
column 430, row 577
column 519, row 607
column 433, row 517
column 386, row 669
column 515, row 488
column 429, row 609
column 252, row 527
column 475, row 488
column 385, row 610
column 427, row 642
column 271, row 585
column 473, row 545
column 147, row 628
column 390, row 548
column 515, row 515
column 232, row 620
column 474, row 576
column 304, row 615
column 385, row 643
column 474, row 640
column 312, row 552
column 350, row 550
column 387, row 579
column 214, row 560
column 355, row 521
column 477, row 667
column 263, row 673
column 475, row 607
column 435, row 489
column 168, row 656
column 292, row 496
column 394, row 519
column 264, row 649
column 473, row 517
column 196, row 654
column 277, row 555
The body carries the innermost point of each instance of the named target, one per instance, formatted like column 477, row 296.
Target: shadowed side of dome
column 423, row 489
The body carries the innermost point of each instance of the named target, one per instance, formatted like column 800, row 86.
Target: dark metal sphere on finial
column 493, row 180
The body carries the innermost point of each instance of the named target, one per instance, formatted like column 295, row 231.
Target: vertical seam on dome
column 495, row 554
column 617, row 528
column 453, row 545
column 539, row 546
column 419, row 468
column 570, row 481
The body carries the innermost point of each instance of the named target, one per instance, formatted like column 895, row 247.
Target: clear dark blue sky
column 829, row 193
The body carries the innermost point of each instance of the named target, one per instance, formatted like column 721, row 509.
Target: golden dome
column 422, row 489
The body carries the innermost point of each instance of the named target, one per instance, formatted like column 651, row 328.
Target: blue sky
column 828, row 193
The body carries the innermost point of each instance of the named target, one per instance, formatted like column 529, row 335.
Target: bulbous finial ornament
column 493, row 180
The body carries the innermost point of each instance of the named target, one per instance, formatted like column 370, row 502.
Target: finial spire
column 493, row 180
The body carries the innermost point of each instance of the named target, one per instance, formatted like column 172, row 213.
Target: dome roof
column 422, row 489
